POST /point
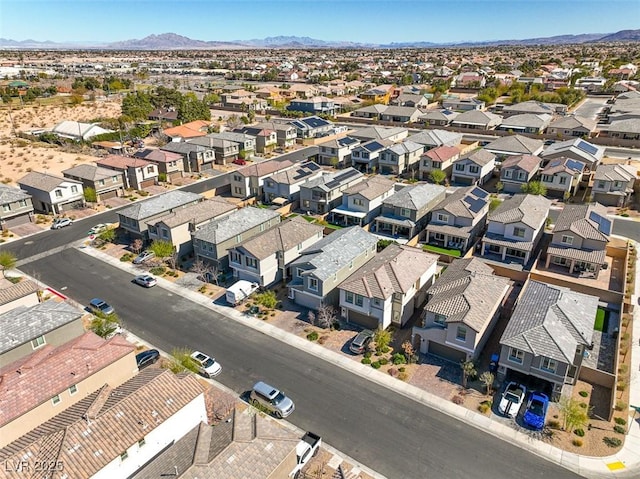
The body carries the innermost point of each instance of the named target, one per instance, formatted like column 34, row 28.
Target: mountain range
column 173, row 41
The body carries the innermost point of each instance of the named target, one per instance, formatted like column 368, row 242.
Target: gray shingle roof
column 528, row 163
column 551, row 321
column 220, row 230
column 376, row 133
column 346, row 176
column 516, row 144
column 90, row 172
column 437, row 138
column 480, row 157
column 371, row 187
column 577, row 219
column 531, row 210
column 11, row 195
column 197, row 213
column 615, row 173
column 44, row 181
column 292, row 176
column 581, row 148
column 415, row 197
column 159, row 204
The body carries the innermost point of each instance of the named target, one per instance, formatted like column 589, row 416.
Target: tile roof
column 376, row 133
column 371, row 187
column 615, row 173
column 34, row 379
column 9, row 194
column 335, row 179
column 416, row 197
column 264, row 168
column 236, row 223
column 551, row 321
column 158, row 156
column 562, row 164
column 442, row 153
column 470, row 293
column 479, row 156
column 281, row 237
column 89, row 172
column 528, row 163
column 159, row 204
column 122, row 162
column 301, row 174
column 24, row 323
column 596, row 256
column 192, row 129
column 437, row 138
column 516, row 144
column 579, row 219
column 532, row 210
column 197, row 213
column 44, row 181
column 394, row 270
column 465, row 202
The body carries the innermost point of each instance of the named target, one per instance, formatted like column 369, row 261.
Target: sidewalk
column 625, row 463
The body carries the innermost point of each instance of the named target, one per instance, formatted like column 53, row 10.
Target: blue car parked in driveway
column 536, row 412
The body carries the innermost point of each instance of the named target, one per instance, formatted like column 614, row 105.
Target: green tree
column 7, row 261
column 574, row 416
column 468, row 371
column 499, row 186
column 104, row 325
column 90, row 195
column 108, row 235
column 382, row 338
column 162, row 249
column 192, row 109
column 437, row 176
column 534, row 188
column 267, row 299
column 181, row 361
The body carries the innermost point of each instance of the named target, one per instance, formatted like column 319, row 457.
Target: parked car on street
column 144, row 256
column 98, row 305
column 61, row 223
column 97, row 229
column 512, row 398
column 536, row 412
column 263, row 395
column 239, row 161
column 207, row 366
column 361, row 341
column 145, row 280
column 145, row 358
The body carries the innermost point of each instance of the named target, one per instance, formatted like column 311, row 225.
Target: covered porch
column 585, row 263
column 396, row 227
column 345, row 217
column 494, row 245
column 447, row 236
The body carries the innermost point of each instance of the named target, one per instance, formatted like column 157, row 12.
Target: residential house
column 534, row 107
column 246, row 143
column 561, row 177
column 213, row 239
column 364, row 157
column 401, row 114
column 463, row 104
column 177, row 225
column 312, row 127
column 378, row 94
column 337, row 152
column 463, row 307
column 580, row 237
column 389, row 288
column 628, row 129
column 105, row 182
column 193, row 129
column 477, row 120
column 526, row 123
column 248, row 181
column 196, row 158
column 506, row 146
column 548, row 334
column 244, row 100
column 572, row 126
column 52, row 194
column 164, row 115
column 362, row 202
column 410, row 99
column 322, row 267
column 316, row 105
column 78, row 131
column 433, row 138
column 224, row 151
column 439, row 158
column 117, row 430
column 379, row 133
column 613, row 184
column 23, row 293
column 469, row 80
column 473, row 168
column 400, row 158
column 321, row 195
column 406, row 212
column 515, row 228
column 372, row 111
column 136, row 172
column 170, row 165
column 286, row 134
column 266, row 138
column 17, row 207
column 284, row 186
column 52, row 379
column 263, row 259
column 577, row 149
column 135, row 219
column 591, row 84
column 438, row 118
column 459, row 219
column 518, row 170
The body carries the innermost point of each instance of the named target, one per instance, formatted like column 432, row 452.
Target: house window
column 443, row 218
column 567, row 239
column 55, row 399
column 348, row 297
column 313, row 284
column 238, row 238
column 124, row 456
column 299, row 272
column 516, row 356
column 518, row 232
column 237, row 178
column 165, row 233
column 376, row 301
column 153, row 230
column 262, row 227
column 235, row 257
column 114, row 179
column 474, row 169
column 38, row 342
column 299, row 246
column 237, row 190
column 58, row 194
column 141, row 442
column 434, row 164
column 6, row 208
column 270, row 184
column 101, row 182
column 306, row 203
column 351, row 265
column 404, row 212
column 506, row 174
column 547, row 178
column 358, row 202
column 73, row 389
column 440, row 319
column 149, row 169
column 548, row 364
column 459, row 166
column 563, row 180
column 601, row 184
column 22, row 203
column 461, row 333
column 559, row 261
column 617, row 184
column 251, row 262
column 359, row 300
column 74, row 189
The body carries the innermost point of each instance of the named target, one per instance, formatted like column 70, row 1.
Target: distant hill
column 173, row 41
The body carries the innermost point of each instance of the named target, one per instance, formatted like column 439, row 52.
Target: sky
column 372, row 21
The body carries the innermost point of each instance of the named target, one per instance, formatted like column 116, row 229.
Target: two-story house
column 248, row 181
column 224, row 151
column 577, row 149
column 177, row 225
column 439, row 158
column 311, row 127
column 548, row 334
column 362, row 202
column 246, row 143
column 136, row 172
column 613, row 184
column 364, row 157
column 52, row 194
column 463, row 307
column 400, row 158
column 135, row 219
column 517, row 171
column 515, row 228
column 473, row 168
column 458, row 219
column 266, row 138
column 580, row 237
column 406, row 212
column 213, row 239
column 506, row 146
column 193, row 129
column 337, row 152
column 196, row 158
column 170, row 165
column 263, row 259
column 16, row 207
column 286, row 134
column 387, row 289
column 316, row 105
column 246, row 100
column 321, row 195
column 23, row 293
column 561, row 177
column 105, row 182
column 284, row 186
column 322, row 267
column 434, row 138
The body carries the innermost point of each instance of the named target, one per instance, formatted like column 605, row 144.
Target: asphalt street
column 388, row 432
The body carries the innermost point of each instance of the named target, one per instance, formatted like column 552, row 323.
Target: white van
column 240, row 290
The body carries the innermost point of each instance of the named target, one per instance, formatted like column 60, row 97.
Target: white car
column 61, row 223
column 144, row 256
column 207, row 366
column 145, row 280
column 97, row 229
column 512, row 398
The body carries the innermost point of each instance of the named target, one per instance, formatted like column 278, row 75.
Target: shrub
column 383, row 361
column 622, row 385
column 393, row 372
column 577, row 442
column 367, row 354
column 620, row 421
column 619, row 429
column 623, row 369
column 126, row 257
column 386, row 349
column 621, row 406
column 402, row 369
column 553, row 424
column 312, row 336
column 323, row 339
column 584, row 394
column 399, row 358
column 579, row 432
column 403, row 376
column 365, row 361
column 612, row 441
column 336, row 325
column 584, row 405
column 375, row 365
column 158, row 270
column 485, row 406
column 458, row 399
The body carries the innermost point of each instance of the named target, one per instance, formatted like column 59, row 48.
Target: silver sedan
column 145, row 280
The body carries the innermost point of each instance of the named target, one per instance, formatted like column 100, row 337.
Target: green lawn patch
column 333, row 227
column 436, row 249
column 602, row 320
column 310, row 219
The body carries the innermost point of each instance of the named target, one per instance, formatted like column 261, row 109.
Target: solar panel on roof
column 480, row 193
column 297, row 124
column 374, row 146
column 588, row 147
column 475, row 204
column 313, row 166
column 604, row 224
column 575, row 165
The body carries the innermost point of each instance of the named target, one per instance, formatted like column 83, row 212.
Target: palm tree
column 468, row 370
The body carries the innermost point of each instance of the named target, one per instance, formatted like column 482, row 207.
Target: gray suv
column 270, row 398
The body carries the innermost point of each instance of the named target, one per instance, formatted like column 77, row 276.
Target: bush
column 619, row 429
column 393, row 372
column 336, row 325
column 365, row 361
column 399, row 358
column 158, row 270
column 367, row 354
column 621, row 406
column 457, row 399
column 402, row 369
column 612, row 441
column 553, row 424
column 577, row 442
column 375, row 365
column 386, row 349
column 584, row 394
column 126, row 257
column 383, row 361
column 485, row 406
column 403, row 376
column 620, row 421
column 312, row 336
column 579, row 432
column 584, row 405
